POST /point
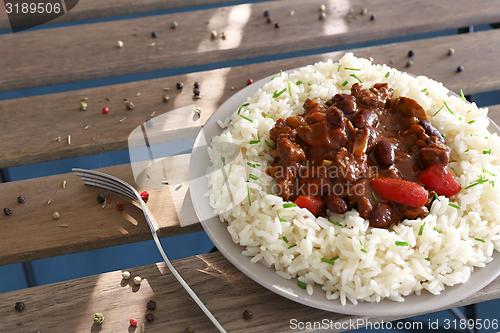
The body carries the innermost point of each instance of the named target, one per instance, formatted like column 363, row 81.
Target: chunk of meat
column 347, row 166
column 334, row 116
column 430, row 155
column 281, row 129
column 336, row 204
column 345, row 102
column 376, row 96
column 409, row 108
column 289, row 152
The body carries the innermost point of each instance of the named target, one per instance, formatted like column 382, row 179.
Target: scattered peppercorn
column 105, row 110
column 166, row 98
column 151, row 305
column 364, row 11
column 460, row 69
column 322, row 16
column 196, row 92
column 56, row 216
column 322, row 8
column 174, row 25
column 137, row 280
column 411, row 53
column 150, row 317
column 213, row 34
column 98, row 318
column 144, row 196
column 409, row 63
column 133, row 322
column 7, row 211
column 154, row 34
column 269, row 20
column 451, row 51
column 125, row 275
column 119, row 44
column 276, row 25
column 119, row 206
column 129, row 105
column 179, row 85
column 248, row 315
column 266, row 13
column 249, row 82
column 83, row 105
column 101, row 198
column 21, row 199
column 372, row 17
column 223, row 35
column 196, row 84
column 20, row 306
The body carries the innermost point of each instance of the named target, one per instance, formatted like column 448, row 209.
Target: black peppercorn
column 266, row 13
column 154, row 34
column 276, row 25
column 196, row 84
column 196, row 92
column 150, row 317
column 411, row 53
column 7, row 211
column 460, row 69
column 101, row 198
column 151, row 305
column 20, row 306
column 247, row 315
column 372, row 17
column 179, row 85
column 21, row 199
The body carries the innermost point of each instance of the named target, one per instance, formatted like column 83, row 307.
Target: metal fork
column 116, row 185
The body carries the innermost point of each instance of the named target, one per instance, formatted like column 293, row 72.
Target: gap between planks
column 57, row 115
column 86, row 52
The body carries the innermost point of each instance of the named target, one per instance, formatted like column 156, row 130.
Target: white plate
column 267, row 277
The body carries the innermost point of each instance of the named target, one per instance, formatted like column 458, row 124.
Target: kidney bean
column 381, row 216
column 334, row 116
column 431, row 130
column 385, row 153
column 345, row 102
column 336, row 204
column 364, row 119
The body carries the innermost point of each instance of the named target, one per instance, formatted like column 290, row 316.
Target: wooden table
column 36, row 129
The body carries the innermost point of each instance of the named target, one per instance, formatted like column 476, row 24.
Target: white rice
column 370, row 266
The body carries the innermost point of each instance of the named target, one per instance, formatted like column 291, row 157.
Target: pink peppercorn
column 105, row 110
column 249, row 82
column 133, row 322
column 144, row 196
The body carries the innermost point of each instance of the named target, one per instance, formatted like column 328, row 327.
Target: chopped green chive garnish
column 352, row 69
column 339, row 67
column 246, row 118
column 399, row 243
column 268, row 116
column 356, row 77
column 289, row 205
column 462, row 96
column 252, row 176
column 248, row 196
column 337, row 223
column 488, row 172
column 487, row 151
column 387, row 74
column 242, row 106
column 479, row 181
column 421, row 229
column 269, row 144
column 254, row 142
column 345, row 83
column 277, row 93
column 471, row 121
column 363, row 249
column 425, row 91
column 301, row 284
column 253, row 165
column 298, row 82
column 309, row 83
column 281, row 219
column 223, row 159
column 329, row 261
column 479, row 240
column 289, row 89
column 436, row 196
column 292, row 246
column 428, row 259
column 466, row 150
column 454, row 205
column 448, row 108
column 284, row 239
column 437, row 111
column 438, row 230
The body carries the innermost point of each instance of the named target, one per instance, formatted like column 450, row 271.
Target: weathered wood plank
column 31, row 232
column 92, row 9
column 89, row 51
column 57, row 115
column 68, row 306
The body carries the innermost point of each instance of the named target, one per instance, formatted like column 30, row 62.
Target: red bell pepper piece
column 438, row 178
column 312, row 203
column 401, row 191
